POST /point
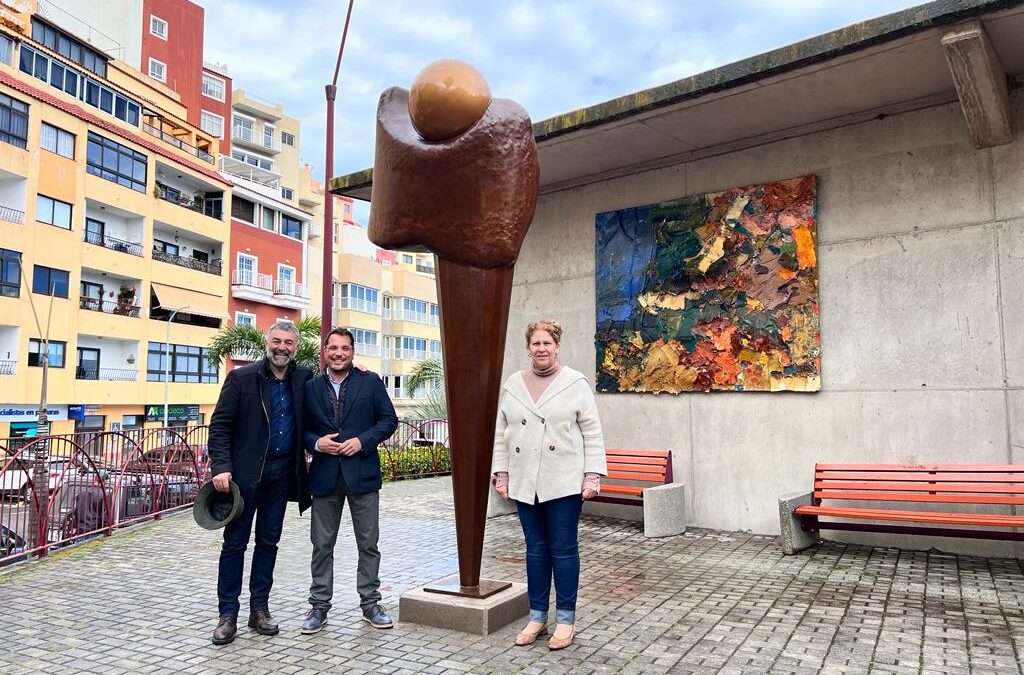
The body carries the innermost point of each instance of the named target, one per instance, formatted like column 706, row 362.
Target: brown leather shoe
column 261, row 620
column 556, row 643
column 528, row 637
column 225, row 630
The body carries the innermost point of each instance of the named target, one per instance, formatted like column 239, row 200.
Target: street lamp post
column 326, row 304
column 167, row 363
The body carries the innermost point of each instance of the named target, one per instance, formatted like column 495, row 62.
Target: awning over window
column 173, row 298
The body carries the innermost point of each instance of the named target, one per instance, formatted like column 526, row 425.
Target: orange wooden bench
column 939, row 485
column 663, row 500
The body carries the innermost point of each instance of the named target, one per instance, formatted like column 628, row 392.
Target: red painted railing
column 96, row 482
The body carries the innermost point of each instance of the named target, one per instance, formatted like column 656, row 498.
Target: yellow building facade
column 114, row 223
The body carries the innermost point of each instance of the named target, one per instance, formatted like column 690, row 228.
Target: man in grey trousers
column 347, row 415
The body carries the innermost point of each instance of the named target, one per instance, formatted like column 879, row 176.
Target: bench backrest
column 654, row 466
column 943, row 483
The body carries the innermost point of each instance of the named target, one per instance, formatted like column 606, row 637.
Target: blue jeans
column 552, row 549
column 266, row 504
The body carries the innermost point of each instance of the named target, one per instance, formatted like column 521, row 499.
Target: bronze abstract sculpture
column 456, row 173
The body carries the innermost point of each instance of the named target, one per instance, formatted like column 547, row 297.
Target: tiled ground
column 143, row 601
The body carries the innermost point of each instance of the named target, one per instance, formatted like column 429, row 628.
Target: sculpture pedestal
column 479, row 616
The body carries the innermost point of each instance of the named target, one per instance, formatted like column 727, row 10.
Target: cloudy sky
column 551, row 57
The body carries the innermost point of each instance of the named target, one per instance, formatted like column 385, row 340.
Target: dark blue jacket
column 367, row 414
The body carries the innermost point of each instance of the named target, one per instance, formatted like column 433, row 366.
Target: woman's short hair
column 553, row 328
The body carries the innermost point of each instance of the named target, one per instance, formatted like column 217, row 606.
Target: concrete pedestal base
column 793, row 537
column 468, row 615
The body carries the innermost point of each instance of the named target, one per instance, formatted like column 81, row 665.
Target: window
column 10, row 273
column 359, row 298
column 157, row 27
column 243, row 209
column 13, row 121
column 242, row 128
column 157, row 69
column 269, row 219
column 245, row 319
column 435, row 314
column 287, row 193
column 68, row 47
column 212, row 124
column 414, row 310
column 213, row 87
column 6, row 49
column 268, row 135
column 115, row 162
column 255, row 160
column 407, row 259
column 55, row 352
column 187, row 364
column 57, row 140
column 365, row 337
column 53, row 212
column 46, row 279
column 167, row 247
column 132, row 421
column 414, row 349
column 286, row 279
column 287, row 138
column 435, row 349
column 79, row 85
column 291, row 227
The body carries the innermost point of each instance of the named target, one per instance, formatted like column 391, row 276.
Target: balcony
column 288, row 293
column 411, row 354
column 254, row 105
column 367, row 350
column 197, row 203
column 425, row 269
column 106, row 374
column 399, row 314
column 113, row 243
column 248, row 136
column 256, row 176
column 119, row 307
column 357, row 305
column 250, row 285
column 171, row 139
column 7, row 367
column 212, row 267
column 9, row 215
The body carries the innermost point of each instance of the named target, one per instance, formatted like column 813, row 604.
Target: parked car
column 15, row 480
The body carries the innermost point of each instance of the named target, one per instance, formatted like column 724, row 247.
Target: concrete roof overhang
column 887, row 65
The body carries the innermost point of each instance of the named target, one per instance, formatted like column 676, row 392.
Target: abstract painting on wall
column 716, row 291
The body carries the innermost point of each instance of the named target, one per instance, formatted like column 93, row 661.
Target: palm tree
column 429, row 375
column 248, row 341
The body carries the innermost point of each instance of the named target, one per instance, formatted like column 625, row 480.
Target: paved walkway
column 143, row 601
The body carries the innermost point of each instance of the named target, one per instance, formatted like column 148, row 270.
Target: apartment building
column 112, row 211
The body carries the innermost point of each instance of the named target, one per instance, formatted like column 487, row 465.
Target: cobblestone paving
column 143, row 601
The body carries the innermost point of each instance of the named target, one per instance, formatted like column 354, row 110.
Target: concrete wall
column 921, row 245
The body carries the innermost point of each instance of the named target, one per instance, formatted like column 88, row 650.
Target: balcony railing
column 7, row 367
column 358, row 305
column 254, row 279
column 211, row 209
column 248, row 135
column 106, row 374
column 289, row 287
column 367, row 350
column 113, row 243
column 177, row 142
column 118, row 307
column 426, row 269
column 411, row 354
column 9, row 215
column 409, row 315
column 213, row 267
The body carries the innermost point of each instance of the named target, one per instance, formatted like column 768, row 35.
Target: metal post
column 167, row 364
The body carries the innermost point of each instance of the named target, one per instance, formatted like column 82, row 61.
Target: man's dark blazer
column 367, row 414
column 240, row 428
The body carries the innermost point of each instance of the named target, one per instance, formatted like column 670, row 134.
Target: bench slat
column 909, row 497
column 638, row 468
column 638, row 453
column 619, row 475
column 1002, row 468
column 919, row 476
column 991, row 519
column 636, row 491
column 917, row 487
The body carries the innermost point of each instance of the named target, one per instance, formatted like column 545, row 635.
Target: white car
column 14, row 481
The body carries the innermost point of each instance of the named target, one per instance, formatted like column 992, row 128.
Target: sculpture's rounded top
column 446, row 98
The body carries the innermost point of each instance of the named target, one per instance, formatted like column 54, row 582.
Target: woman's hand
column 589, row 494
column 503, row 491
column 500, row 481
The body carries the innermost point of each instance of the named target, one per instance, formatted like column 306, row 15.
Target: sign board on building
column 155, row 412
column 76, row 412
column 28, row 413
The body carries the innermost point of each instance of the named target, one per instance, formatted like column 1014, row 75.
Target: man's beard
column 279, row 359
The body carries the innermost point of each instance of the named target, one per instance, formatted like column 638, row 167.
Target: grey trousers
column 323, row 532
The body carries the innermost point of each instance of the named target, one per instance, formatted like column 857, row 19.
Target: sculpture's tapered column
column 474, row 316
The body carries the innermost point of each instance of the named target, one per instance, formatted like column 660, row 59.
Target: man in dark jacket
column 255, row 440
column 347, row 415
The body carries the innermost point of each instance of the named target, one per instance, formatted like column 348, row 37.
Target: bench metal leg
column 665, row 510
column 793, row 537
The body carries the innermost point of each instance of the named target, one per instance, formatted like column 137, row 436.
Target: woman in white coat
column 549, row 457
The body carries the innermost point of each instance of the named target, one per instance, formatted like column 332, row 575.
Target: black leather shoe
column 376, row 617
column 225, row 631
column 316, row 619
column 261, row 620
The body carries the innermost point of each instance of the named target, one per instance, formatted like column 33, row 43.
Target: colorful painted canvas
column 717, row 291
